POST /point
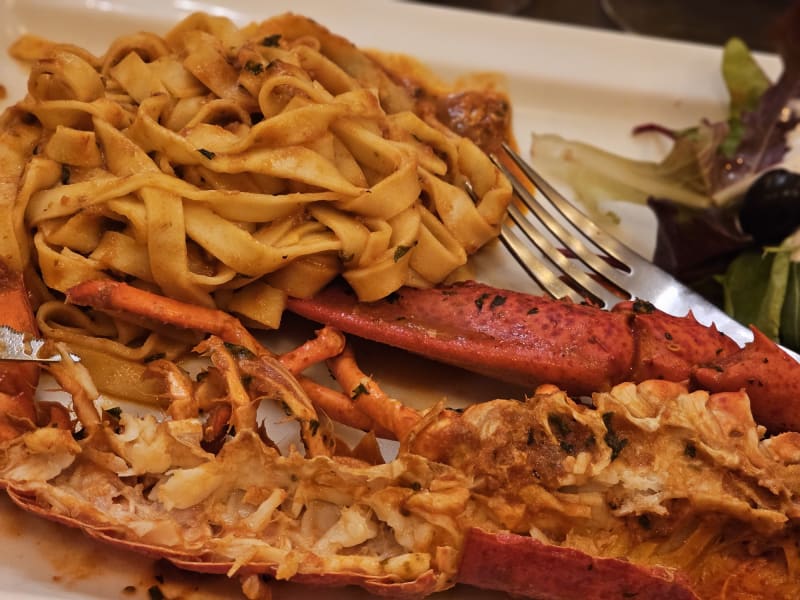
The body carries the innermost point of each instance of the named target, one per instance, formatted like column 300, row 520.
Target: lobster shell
column 531, row 340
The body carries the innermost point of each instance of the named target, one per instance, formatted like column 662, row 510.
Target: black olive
column 771, row 207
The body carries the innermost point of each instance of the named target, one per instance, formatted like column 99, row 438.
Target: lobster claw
column 531, row 340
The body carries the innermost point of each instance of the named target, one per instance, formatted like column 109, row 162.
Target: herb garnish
column 256, row 68
column 155, row 593
column 643, row 307
column 690, row 450
column 239, row 352
column 497, row 301
column 480, row 300
column 611, row 438
column 271, row 41
column 358, row 390
column 114, row 411
column 400, row 252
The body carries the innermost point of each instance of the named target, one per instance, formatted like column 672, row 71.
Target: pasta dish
column 228, row 166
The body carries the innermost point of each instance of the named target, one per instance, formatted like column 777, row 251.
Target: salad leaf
column 595, row 174
column 746, row 83
column 755, row 289
column 711, row 163
column 744, row 77
column 711, row 239
column 790, row 315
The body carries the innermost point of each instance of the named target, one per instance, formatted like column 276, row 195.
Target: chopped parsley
column 497, row 301
column 690, row 450
column 643, row 307
column 400, row 252
column 480, row 300
column 271, row 41
column 154, row 593
column 611, row 438
column 559, row 425
column 114, row 411
column 256, row 68
column 239, row 352
column 358, row 390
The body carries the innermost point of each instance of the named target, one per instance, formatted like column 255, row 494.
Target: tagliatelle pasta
column 222, row 165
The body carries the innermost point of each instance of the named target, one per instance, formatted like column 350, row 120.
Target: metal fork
column 596, row 266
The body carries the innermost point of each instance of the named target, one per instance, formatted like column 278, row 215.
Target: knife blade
column 15, row 345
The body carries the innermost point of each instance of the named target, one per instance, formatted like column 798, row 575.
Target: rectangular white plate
column 580, row 83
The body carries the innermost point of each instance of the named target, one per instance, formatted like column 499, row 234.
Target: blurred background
column 702, row 21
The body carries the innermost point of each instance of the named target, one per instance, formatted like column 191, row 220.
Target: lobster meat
column 531, row 340
column 648, row 493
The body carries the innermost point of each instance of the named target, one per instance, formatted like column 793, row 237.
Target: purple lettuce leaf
column 764, row 126
column 694, row 244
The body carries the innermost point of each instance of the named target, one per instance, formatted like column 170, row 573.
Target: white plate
column 580, row 83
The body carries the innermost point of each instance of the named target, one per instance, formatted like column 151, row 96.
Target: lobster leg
column 370, row 399
column 132, row 303
column 279, row 376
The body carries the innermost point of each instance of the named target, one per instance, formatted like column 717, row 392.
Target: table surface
column 702, row 21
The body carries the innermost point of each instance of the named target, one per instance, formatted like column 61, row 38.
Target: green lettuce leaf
column 755, row 286
column 790, row 315
column 746, row 83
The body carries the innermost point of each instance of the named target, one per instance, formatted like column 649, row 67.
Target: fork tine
column 542, row 274
column 587, row 287
column 545, row 275
column 596, row 236
column 582, row 226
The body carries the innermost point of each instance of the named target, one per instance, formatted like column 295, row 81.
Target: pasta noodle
column 216, row 158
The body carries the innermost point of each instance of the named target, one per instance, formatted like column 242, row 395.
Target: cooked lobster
column 652, row 491
column 530, row 340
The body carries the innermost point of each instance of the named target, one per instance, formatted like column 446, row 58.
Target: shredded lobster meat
column 652, row 474
column 148, row 483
